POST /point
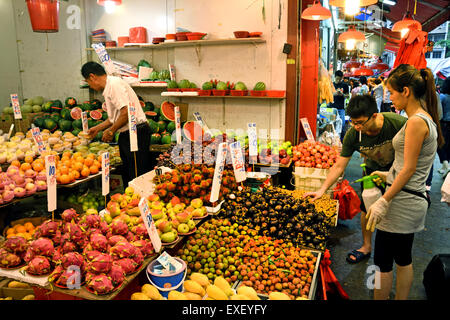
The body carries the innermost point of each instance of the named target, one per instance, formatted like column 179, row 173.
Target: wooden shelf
column 188, row 43
column 166, row 94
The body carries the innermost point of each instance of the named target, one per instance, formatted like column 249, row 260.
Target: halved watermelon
column 75, row 113
column 95, row 114
column 192, row 128
column 151, row 115
column 168, row 110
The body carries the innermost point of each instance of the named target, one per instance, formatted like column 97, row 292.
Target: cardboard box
column 15, row 293
column 19, row 125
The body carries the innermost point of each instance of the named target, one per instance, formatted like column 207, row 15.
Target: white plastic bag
column 445, row 190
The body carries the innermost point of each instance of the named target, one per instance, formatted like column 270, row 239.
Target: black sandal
column 359, row 256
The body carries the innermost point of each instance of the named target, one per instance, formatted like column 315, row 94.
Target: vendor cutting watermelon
column 118, row 95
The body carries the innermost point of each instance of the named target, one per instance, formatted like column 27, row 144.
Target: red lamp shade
column 316, row 12
column 102, row 2
column 379, row 66
column 406, row 22
column 44, row 15
column 342, row 3
column 351, row 64
column 363, row 71
column 351, row 34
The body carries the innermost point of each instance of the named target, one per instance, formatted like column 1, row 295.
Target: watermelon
column 154, row 75
column 154, row 128
column 38, row 121
column 170, row 127
column 104, row 116
column 172, row 84
column 157, row 109
column 221, row 86
column 151, row 115
column 65, row 114
column 207, row 86
column 166, row 138
column 155, row 138
column 99, row 136
column 75, row 132
column 86, row 106
column 75, row 113
column 149, row 106
column 70, row 102
column 162, row 126
column 95, row 114
column 46, row 107
column 56, row 106
column 240, row 86
column 55, row 116
column 193, row 85
column 184, row 84
column 26, row 108
column 29, row 102
column 37, row 108
column 77, row 124
column 50, row 124
column 91, row 123
column 192, row 127
column 259, row 86
column 168, row 110
column 65, row 125
column 143, row 63
column 164, row 75
column 96, row 104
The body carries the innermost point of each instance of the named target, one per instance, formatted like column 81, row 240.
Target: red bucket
column 43, row 15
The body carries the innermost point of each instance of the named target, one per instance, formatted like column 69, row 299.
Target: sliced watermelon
column 151, row 115
column 168, row 110
column 95, row 114
column 75, row 113
column 191, row 128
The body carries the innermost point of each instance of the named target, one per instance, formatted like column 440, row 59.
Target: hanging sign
column 105, row 173
column 178, row 124
column 16, row 106
column 104, row 58
column 238, row 161
column 50, row 167
column 220, row 163
column 200, row 121
column 307, row 129
column 132, row 127
column 149, row 224
column 252, row 142
column 84, row 121
column 37, row 137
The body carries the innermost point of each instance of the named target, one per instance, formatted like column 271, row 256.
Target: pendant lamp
column 405, row 23
column 316, row 12
column 352, row 6
column 379, row 65
column 44, row 15
column 109, row 5
column 351, row 64
column 351, row 34
column 363, row 71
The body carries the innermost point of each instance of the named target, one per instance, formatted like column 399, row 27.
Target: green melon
column 259, row 86
column 37, row 108
column 70, row 102
column 38, row 100
column 170, row 127
column 184, row 84
column 155, row 138
column 29, row 102
column 8, row 110
column 207, row 85
column 26, row 108
column 166, row 138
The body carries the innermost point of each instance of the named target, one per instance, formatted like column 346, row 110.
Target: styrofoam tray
column 143, row 185
column 19, row 276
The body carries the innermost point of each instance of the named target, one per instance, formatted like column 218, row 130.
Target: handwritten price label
column 178, row 124
column 238, row 161
column 84, row 121
column 252, row 142
column 50, row 167
column 149, row 224
column 105, row 173
column 200, row 121
column 307, row 129
column 218, row 171
column 104, row 58
column 132, row 127
column 37, row 137
column 16, row 106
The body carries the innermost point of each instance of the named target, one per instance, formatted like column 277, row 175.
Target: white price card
column 10, row 131
column 172, row 72
column 178, row 124
column 200, row 121
column 252, row 142
column 84, row 122
column 220, row 163
column 16, row 106
column 37, row 137
column 238, row 161
column 104, row 58
column 307, row 129
column 132, row 127
column 168, row 262
column 50, row 167
column 149, row 224
column 105, row 173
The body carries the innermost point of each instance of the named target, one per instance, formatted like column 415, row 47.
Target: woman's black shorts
column 390, row 247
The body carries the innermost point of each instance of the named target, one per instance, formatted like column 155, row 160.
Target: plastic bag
column 349, row 202
column 445, row 190
column 138, row 35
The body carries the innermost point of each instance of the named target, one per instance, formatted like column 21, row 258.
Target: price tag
column 252, row 142
column 178, row 124
column 10, row 130
column 238, row 161
column 105, row 173
column 200, row 121
column 172, row 72
column 132, row 127
column 104, row 58
column 84, row 121
column 220, row 163
column 307, row 129
column 168, row 262
column 50, row 167
column 37, row 137
column 149, row 224
column 16, row 106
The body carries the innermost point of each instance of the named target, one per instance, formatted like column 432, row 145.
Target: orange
column 15, row 163
column 78, row 166
column 76, row 174
column 67, row 163
column 25, row 166
column 88, row 161
column 29, row 226
column 29, row 159
column 99, row 158
column 10, row 235
column 93, row 169
column 65, row 178
column 71, row 176
column 58, row 177
column 91, row 156
column 64, row 170
column 20, row 228
column 78, row 159
column 37, row 166
column 77, row 154
column 85, row 172
column 98, row 164
column 10, row 231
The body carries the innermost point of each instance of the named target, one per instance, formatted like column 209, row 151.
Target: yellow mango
column 216, row 293
column 151, row 292
column 239, row 297
column 200, row 279
column 278, row 296
column 28, row 297
column 224, row 285
column 194, row 287
column 176, row 295
column 139, row 296
column 248, row 292
column 192, row 296
column 17, row 284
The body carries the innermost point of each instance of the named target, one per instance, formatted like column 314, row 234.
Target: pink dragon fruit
column 57, row 238
column 114, row 239
column 72, row 259
column 43, row 247
column 29, row 255
column 56, row 273
column 69, row 215
column 122, row 250
column 145, row 246
column 138, row 257
column 140, row 231
column 68, row 246
column 57, row 256
column 119, row 227
column 3, row 252
column 92, row 231
column 91, row 254
column 39, row 265
column 100, row 284
column 131, row 237
column 67, row 277
column 127, row 264
column 48, row 228
column 99, row 242
column 89, row 275
column 104, row 227
column 116, row 274
column 9, row 260
column 74, row 231
column 93, row 220
column 101, row 263
column 16, row 244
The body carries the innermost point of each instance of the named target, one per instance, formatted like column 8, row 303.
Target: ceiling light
column 316, row 12
column 405, row 23
column 110, row 5
column 351, row 34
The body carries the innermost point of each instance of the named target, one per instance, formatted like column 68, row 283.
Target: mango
column 278, row 296
column 17, row 284
column 151, row 292
column 239, row 297
column 28, row 297
column 139, row 296
column 216, row 293
column 248, row 292
column 176, row 295
column 200, row 279
column 194, row 287
column 223, row 285
column 192, row 296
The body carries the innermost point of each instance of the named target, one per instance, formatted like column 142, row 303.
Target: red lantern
column 363, row 71
column 43, row 15
column 351, row 64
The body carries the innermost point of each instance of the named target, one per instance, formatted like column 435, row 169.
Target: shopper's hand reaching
column 376, row 212
column 315, row 195
column 382, row 175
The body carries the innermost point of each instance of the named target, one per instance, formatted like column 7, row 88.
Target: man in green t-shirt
column 371, row 135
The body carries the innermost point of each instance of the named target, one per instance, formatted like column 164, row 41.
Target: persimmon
column 93, row 169
column 85, row 172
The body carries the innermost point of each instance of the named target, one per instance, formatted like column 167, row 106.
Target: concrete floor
column 347, row 236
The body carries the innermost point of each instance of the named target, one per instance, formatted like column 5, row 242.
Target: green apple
column 191, row 224
column 183, row 228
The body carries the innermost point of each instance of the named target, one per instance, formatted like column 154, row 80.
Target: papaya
column 278, row 296
column 216, row 293
column 194, row 287
column 151, row 291
column 249, row 292
column 223, row 285
column 200, row 279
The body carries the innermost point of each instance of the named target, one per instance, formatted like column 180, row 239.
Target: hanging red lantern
column 44, row 15
column 351, row 64
column 363, row 71
column 316, row 12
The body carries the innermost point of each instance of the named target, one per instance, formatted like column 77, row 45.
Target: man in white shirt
column 118, row 96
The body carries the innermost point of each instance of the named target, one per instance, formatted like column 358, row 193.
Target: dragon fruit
column 39, row 265
column 119, row 227
column 127, row 264
column 138, row 257
column 122, row 250
column 57, row 238
column 99, row 242
column 89, row 275
column 9, row 260
column 48, row 228
column 16, row 244
column 42, row 247
column 140, row 231
column 68, row 246
column 93, row 220
column 130, row 236
column 29, row 255
column 91, row 254
column 56, row 273
column 74, row 231
column 69, row 215
column 100, row 284
column 116, row 274
column 57, row 256
column 72, row 259
column 67, row 277
column 145, row 246
column 114, row 239
column 92, row 231
column 101, row 263
column 104, row 227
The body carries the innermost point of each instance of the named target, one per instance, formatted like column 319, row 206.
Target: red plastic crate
column 216, row 92
column 204, row 92
column 239, row 93
column 174, row 89
column 276, row 93
column 258, row 93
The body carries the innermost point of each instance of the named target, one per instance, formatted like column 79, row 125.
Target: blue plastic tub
column 167, row 283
